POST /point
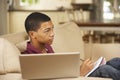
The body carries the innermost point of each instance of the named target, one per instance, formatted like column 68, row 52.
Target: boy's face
column 45, row 34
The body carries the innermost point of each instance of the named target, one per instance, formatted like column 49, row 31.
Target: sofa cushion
column 17, row 76
column 68, row 38
column 2, row 46
column 11, row 57
column 11, row 76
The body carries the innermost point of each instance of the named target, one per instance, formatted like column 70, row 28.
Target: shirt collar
column 33, row 49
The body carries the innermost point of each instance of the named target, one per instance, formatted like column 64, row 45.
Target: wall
column 3, row 17
column 17, row 18
column 43, row 5
column 108, row 51
column 83, row 1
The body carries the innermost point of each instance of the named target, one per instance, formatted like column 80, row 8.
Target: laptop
column 50, row 66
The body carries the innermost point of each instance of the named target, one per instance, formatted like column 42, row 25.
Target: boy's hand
column 85, row 67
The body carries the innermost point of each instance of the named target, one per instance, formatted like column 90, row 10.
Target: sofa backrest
column 16, row 37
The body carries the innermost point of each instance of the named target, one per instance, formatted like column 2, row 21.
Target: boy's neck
column 38, row 46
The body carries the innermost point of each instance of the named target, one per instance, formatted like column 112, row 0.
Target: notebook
column 46, row 66
column 99, row 62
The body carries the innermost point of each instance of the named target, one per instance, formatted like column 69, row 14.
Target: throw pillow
column 22, row 45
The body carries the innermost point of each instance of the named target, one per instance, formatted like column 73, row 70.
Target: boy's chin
column 50, row 43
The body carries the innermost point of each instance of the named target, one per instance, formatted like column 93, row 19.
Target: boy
column 40, row 29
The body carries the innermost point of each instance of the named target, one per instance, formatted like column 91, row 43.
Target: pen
column 82, row 59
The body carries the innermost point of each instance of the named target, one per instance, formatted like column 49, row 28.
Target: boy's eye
column 46, row 30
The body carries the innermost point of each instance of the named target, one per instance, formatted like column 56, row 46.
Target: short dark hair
column 34, row 20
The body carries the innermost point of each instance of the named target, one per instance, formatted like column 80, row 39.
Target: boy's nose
column 52, row 33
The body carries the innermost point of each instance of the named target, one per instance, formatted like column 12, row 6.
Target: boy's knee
column 105, row 67
column 115, row 62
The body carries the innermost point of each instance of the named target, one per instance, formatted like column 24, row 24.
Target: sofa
column 68, row 38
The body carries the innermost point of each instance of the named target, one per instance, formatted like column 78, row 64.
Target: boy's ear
column 32, row 34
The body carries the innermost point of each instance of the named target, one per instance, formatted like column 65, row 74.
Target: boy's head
column 34, row 20
column 40, row 28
